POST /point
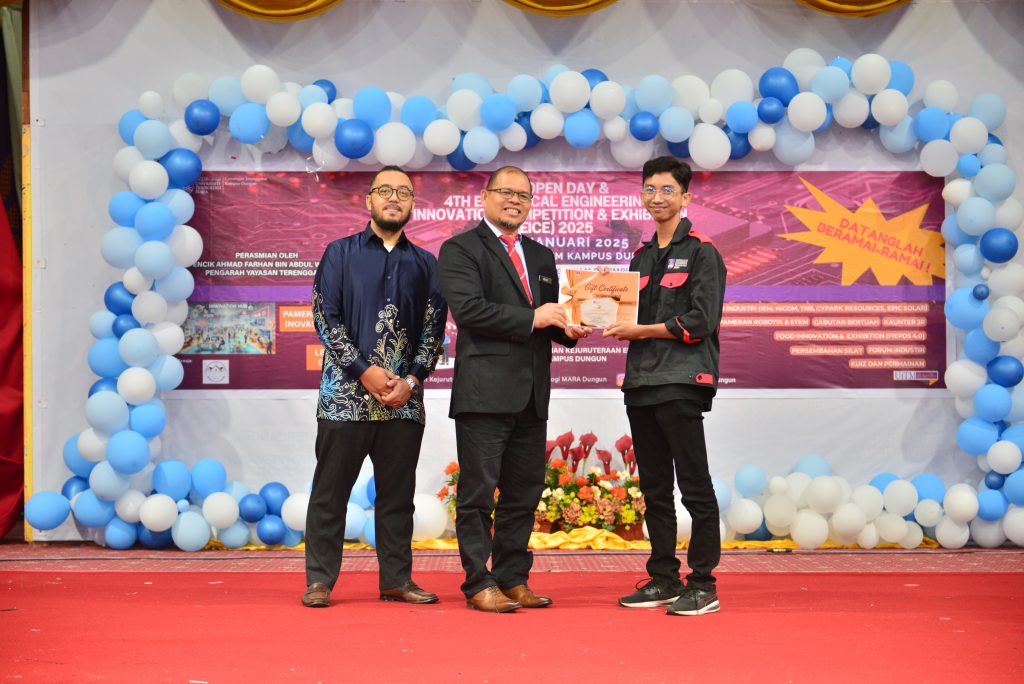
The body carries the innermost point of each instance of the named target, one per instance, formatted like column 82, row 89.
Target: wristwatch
column 413, row 385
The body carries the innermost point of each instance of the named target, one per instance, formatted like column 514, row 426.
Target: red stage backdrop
column 835, row 278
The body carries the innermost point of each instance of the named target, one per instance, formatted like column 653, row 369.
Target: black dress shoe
column 409, row 592
column 317, row 595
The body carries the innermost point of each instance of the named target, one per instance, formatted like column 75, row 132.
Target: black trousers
column 341, row 446
column 503, row 450
column 669, row 437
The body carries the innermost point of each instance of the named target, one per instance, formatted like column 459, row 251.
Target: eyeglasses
column 508, row 193
column 386, row 191
column 666, row 191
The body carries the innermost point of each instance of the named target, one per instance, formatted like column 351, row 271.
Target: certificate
column 597, row 299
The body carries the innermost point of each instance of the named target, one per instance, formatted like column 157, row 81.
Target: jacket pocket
column 644, row 280
column 674, row 280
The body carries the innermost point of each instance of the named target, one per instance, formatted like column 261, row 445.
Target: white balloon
column 779, row 510
column 630, row 152
column 951, row 534
column 513, row 138
column 135, row 282
column 293, row 510
column 1007, row 280
column 274, row 141
column 284, row 109
column 798, row 483
column 615, row 129
column 221, row 510
column 327, row 157
column 889, row 107
column 690, row 93
column 710, row 111
column 547, row 121
column 964, row 407
column 939, row 158
column 463, row 109
column 92, row 445
column 868, row 537
column 128, row 504
column 851, row 110
column 891, row 527
column 158, row 512
column 1001, row 324
column 870, row 73
column 986, row 534
column 709, row 146
column 968, row 135
column 824, row 494
column 744, row 516
column 1004, row 457
column 259, row 82
column 804, row 63
column 965, row 377
column 806, row 112
column 928, row 512
column 186, row 244
column 177, row 312
column 869, row 500
column 394, row 144
column 809, row 530
column 149, row 307
column 169, row 337
column 941, row 94
column 913, row 538
column 569, row 91
column 125, row 160
column 397, row 102
column 190, row 87
column 900, row 497
column 155, row 448
column 151, row 104
column 422, row 157
column 762, row 138
column 344, row 108
column 184, row 137
column 961, row 503
column 441, row 137
column 319, row 120
column 607, row 99
column 848, row 520
column 1010, row 214
column 1013, row 525
column 957, row 190
column 731, row 86
column 136, row 385
column 430, row 519
column 148, row 179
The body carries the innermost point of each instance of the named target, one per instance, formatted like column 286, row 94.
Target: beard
column 510, row 225
column 389, row 225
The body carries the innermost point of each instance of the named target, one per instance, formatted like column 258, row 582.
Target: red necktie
column 510, row 245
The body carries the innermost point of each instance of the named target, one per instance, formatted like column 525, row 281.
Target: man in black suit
column 502, row 289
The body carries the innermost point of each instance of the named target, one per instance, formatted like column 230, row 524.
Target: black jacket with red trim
column 689, row 282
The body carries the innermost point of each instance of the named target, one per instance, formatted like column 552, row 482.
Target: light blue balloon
column 992, row 504
column 992, row 402
column 722, row 493
column 226, row 93
column 975, row 215
column 149, row 420
column 153, row 139
column 812, row 465
column 843, row 63
column 184, row 505
column 990, row 108
column 882, row 480
column 979, row 348
column 498, row 112
column 47, row 510
column 373, row 106
column 654, row 94
column 965, row 311
column 180, row 203
column 128, row 452
column 118, row 246
column 469, row 80
column 1013, row 487
column 176, row 285
column 418, row 112
column 104, row 358
column 355, row 520
column 968, row 259
column 92, row 511
column 631, row 108
column 171, row 477
column 106, row 412
column 168, row 372
column 582, row 128
column 553, row 71
column 291, row 537
column 792, row 146
column 525, row 91
column 101, row 324
column 120, row 535
column 209, row 476
column 750, row 480
column 899, row 138
column 249, row 122
column 676, row 124
column 123, row 206
column 154, row 221
column 138, row 347
column 993, row 153
column 902, row 77
column 370, row 532
column 929, row 486
column 931, row 123
column 995, row 182
column 127, row 124
column 236, row 489
column 358, row 495
column 236, row 536
column 741, row 117
column 976, row 436
column 952, row 233
column 73, row 458
column 480, row 145
column 107, row 483
column 830, row 84
column 154, row 259
column 190, row 531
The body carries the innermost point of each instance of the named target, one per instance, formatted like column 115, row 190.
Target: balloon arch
column 120, row 495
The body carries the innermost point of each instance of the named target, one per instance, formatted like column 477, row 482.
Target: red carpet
column 230, row 626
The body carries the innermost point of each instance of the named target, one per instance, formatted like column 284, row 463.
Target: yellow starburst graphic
column 864, row 239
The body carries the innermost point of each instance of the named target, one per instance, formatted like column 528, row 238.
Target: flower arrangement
column 450, row 488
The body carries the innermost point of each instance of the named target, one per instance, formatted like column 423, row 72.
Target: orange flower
column 442, row 493
column 581, row 481
column 586, row 493
column 604, row 478
column 451, row 468
column 564, row 479
column 619, row 492
column 557, row 463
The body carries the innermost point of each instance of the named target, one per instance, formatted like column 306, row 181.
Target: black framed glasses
column 509, row 193
column 386, row 191
column 666, row 191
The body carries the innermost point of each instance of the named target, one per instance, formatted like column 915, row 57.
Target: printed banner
column 835, row 278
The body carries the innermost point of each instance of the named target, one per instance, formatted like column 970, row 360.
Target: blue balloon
column 171, row 477
column 153, row 139
column 190, row 531
column 236, row 536
column 792, row 146
column 355, row 521
column 760, row 534
column 582, row 128
column 371, row 490
column 995, row 182
column 155, row 540
column 990, row 109
column 975, row 215
column 226, row 93
column 354, row 138
column 1013, row 487
column 654, row 94
column 827, row 122
column 1005, row 371
column 553, row 71
column 106, row 412
column 128, row 452
column 418, row 112
column 968, row 259
column 101, row 324
column 931, row 123
column 993, row 154
column 992, row 504
column 498, row 112
column 481, row 144
column 168, row 372
column 675, row 124
column 154, row 221
column 127, row 124
column 47, row 510
column 202, row 117
column 312, row 94
column 370, row 531
column 124, row 323
column 300, row 139
column 968, row 165
column 594, row 76
column 138, row 347
column 979, row 348
column 531, row 137
column 249, row 123
column 771, row 110
column 74, row 485
column 741, row 116
column 830, row 84
column 631, row 106
column 252, row 508
column 154, row 258
column 723, row 494
column 104, row 359
column 271, row 530
column 998, row 245
column 209, row 476
column 994, row 480
column 964, row 311
column 842, row 63
column 149, row 420
column 103, row 385
column 176, row 285
column 899, row 138
column 870, row 123
column 92, row 511
column 812, row 465
column 992, row 402
column 951, row 119
column 469, row 80
column 373, row 106
column 180, row 202
column 980, row 292
column 953, row 234
column 526, row 91
column 118, row 246
column 236, row 489
column 976, row 435
column 74, row 460
column 458, row 159
column 779, row 83
column 739, row 146
column 118, row 299
column 882, row 480
column 291, row 537
column 274, row 493
column 184, row 167
column 328, row 87
column 680, row 149
column 119, row 534
column 124, row 206
column 901, row 78
column 750, row 480
column 929, row 486
column 643, row 126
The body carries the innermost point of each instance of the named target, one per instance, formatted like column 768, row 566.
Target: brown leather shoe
column 409, row 592
column 317, row 596
column 525, row 597
column 491, row 600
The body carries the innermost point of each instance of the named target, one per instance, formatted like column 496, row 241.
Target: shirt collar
column 682, row 230
column 369, row 236
column 498, row 234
